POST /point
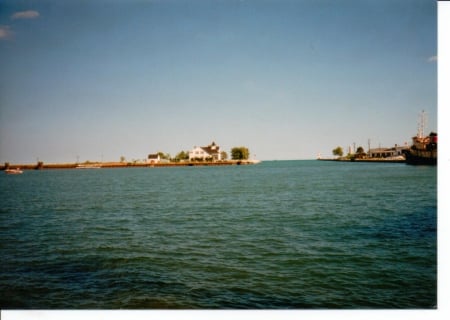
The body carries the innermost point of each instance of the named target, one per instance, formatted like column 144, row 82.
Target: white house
column 153, row 158
column 209, row 152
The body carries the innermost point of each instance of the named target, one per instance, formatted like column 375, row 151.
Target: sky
column 98, row 80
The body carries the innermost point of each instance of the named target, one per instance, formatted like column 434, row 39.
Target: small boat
column 13, row 171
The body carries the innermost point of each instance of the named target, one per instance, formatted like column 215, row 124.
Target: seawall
column 374, row 160
column 44, row 166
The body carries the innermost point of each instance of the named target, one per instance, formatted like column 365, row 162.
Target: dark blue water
column 281, row 234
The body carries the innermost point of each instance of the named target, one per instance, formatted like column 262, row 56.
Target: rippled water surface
column 281, row 234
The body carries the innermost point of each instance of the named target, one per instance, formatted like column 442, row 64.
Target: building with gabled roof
column 387, row 152
column 211, row 151
column 153, row 158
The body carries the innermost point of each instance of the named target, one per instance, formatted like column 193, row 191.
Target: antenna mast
column 422, row 125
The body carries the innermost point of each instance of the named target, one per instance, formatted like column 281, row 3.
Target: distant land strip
column 95, row 165
column 377, row 160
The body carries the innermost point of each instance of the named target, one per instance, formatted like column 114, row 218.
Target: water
column 281, row 234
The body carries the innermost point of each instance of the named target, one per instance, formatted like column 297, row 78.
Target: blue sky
column 97, row 80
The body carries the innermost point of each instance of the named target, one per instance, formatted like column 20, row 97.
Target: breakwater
column 373, row 160
column 42, row 166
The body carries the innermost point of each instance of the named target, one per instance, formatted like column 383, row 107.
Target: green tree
column 165, row 156
column 223, row 155
column 338, row 152
column 182, row 155
column 360, row 150
column 240, row 153
column 122, row 159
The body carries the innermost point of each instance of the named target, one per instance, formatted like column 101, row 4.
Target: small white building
column 387, row 152
column 211, row 152
column 153, row 158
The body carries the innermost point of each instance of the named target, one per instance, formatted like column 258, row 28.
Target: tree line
column 338, row 151
column 237, row 153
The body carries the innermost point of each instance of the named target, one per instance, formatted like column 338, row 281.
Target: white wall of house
column 217, row 154
column 198, row 152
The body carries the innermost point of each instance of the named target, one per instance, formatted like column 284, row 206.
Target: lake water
column 280, row 234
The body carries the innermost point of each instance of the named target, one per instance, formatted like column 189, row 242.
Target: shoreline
column 99, row 165
column 374, row 160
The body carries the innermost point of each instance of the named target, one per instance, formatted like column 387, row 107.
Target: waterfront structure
column 387, row 152
column 210, row 152
column 153, row 158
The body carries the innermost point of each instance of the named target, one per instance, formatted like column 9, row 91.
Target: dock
column 371, row 160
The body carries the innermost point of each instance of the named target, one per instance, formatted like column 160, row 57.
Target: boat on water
column 13, row 171
column 424, row 148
